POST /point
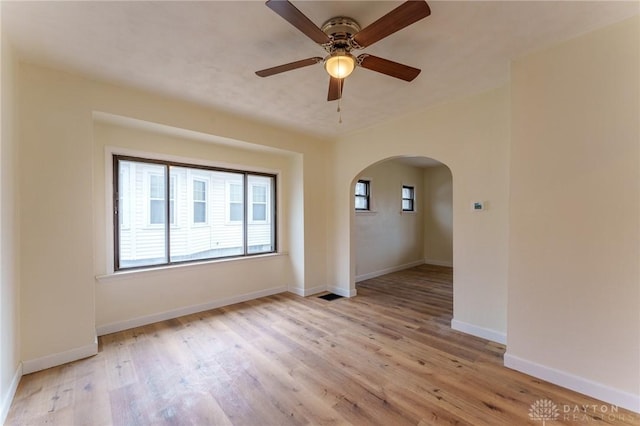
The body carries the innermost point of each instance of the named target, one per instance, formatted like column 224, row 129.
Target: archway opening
column 402, row 218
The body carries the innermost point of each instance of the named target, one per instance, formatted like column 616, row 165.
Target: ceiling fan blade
column 296, row 18
column 335, row 88
column 402, row 16
column 385, row 66
column 288, row 67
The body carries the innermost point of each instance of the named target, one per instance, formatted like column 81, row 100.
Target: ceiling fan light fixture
column 339, row 64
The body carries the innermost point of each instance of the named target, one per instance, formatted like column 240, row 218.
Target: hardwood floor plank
column 385, row 357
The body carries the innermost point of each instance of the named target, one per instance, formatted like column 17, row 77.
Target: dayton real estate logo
column 544, row 410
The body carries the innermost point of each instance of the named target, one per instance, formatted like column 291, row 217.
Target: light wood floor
column 385, row 357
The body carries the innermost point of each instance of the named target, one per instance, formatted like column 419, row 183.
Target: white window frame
column 148, row 199
column 267, row 204
column 207, row 185
column 228, row 202
column 128, row 181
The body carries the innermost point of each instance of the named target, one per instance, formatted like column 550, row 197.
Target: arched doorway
column 402, row 216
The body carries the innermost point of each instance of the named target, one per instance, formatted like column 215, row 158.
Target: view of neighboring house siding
column 204, row 222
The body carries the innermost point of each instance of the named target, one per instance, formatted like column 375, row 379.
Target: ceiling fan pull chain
column 339, row 111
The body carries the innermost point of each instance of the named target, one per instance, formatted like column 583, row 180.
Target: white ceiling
column 207, row 51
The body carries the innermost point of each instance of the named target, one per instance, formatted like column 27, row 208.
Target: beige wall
column 386, row 238
column 574, row 279
column 471, row 137
column 61, row 166
column 56, row 157
column 438, row 211
column 9, row 235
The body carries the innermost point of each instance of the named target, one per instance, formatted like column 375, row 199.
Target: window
column 157, row 206
column 156, row 199
column 199, row 201
column 408, row 198
column 258, row 203
column 363, row 195
column 236, row 202
column 216, row 198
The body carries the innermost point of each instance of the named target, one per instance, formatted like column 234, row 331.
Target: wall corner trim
column 386, row 271
column 475, row 330
column 439, row 262
column 343, row 292
column 53, row 360
column 587, row 387
column 7, row 399
column 304, row 292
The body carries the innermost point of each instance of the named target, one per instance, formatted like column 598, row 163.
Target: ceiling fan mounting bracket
column 340, row 30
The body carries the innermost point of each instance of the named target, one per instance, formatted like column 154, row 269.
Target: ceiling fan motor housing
column 340, row 30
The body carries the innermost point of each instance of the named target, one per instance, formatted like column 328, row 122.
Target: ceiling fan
column 340, row 35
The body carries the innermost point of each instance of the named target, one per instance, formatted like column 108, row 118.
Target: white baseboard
column 576, row 383
column 187, row 310
column 342, row 292
column 475, row 330
column 7, row 399
column 307, row 291
column 439, row 262
column 385, row 271
column 53, row 360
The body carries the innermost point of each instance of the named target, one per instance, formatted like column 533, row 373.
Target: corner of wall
column 53, row 360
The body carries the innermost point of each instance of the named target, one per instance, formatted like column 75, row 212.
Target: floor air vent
column 330, row 296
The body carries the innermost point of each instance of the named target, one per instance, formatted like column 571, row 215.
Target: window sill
column 366, row 212
column 124, row 275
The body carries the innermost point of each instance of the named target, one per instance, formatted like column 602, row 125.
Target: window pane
column 235, row 192
column 207, row 233
column 261, row 229
column 407, row 205
column 236, row 213
column 362, row 188
column 140, row 244
column 156, row 212
column 259, row 212
column 199, row 190
column 156, row 186
column 362, row 204
column 199, row 212
column 259, row 194
column 407, row 192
